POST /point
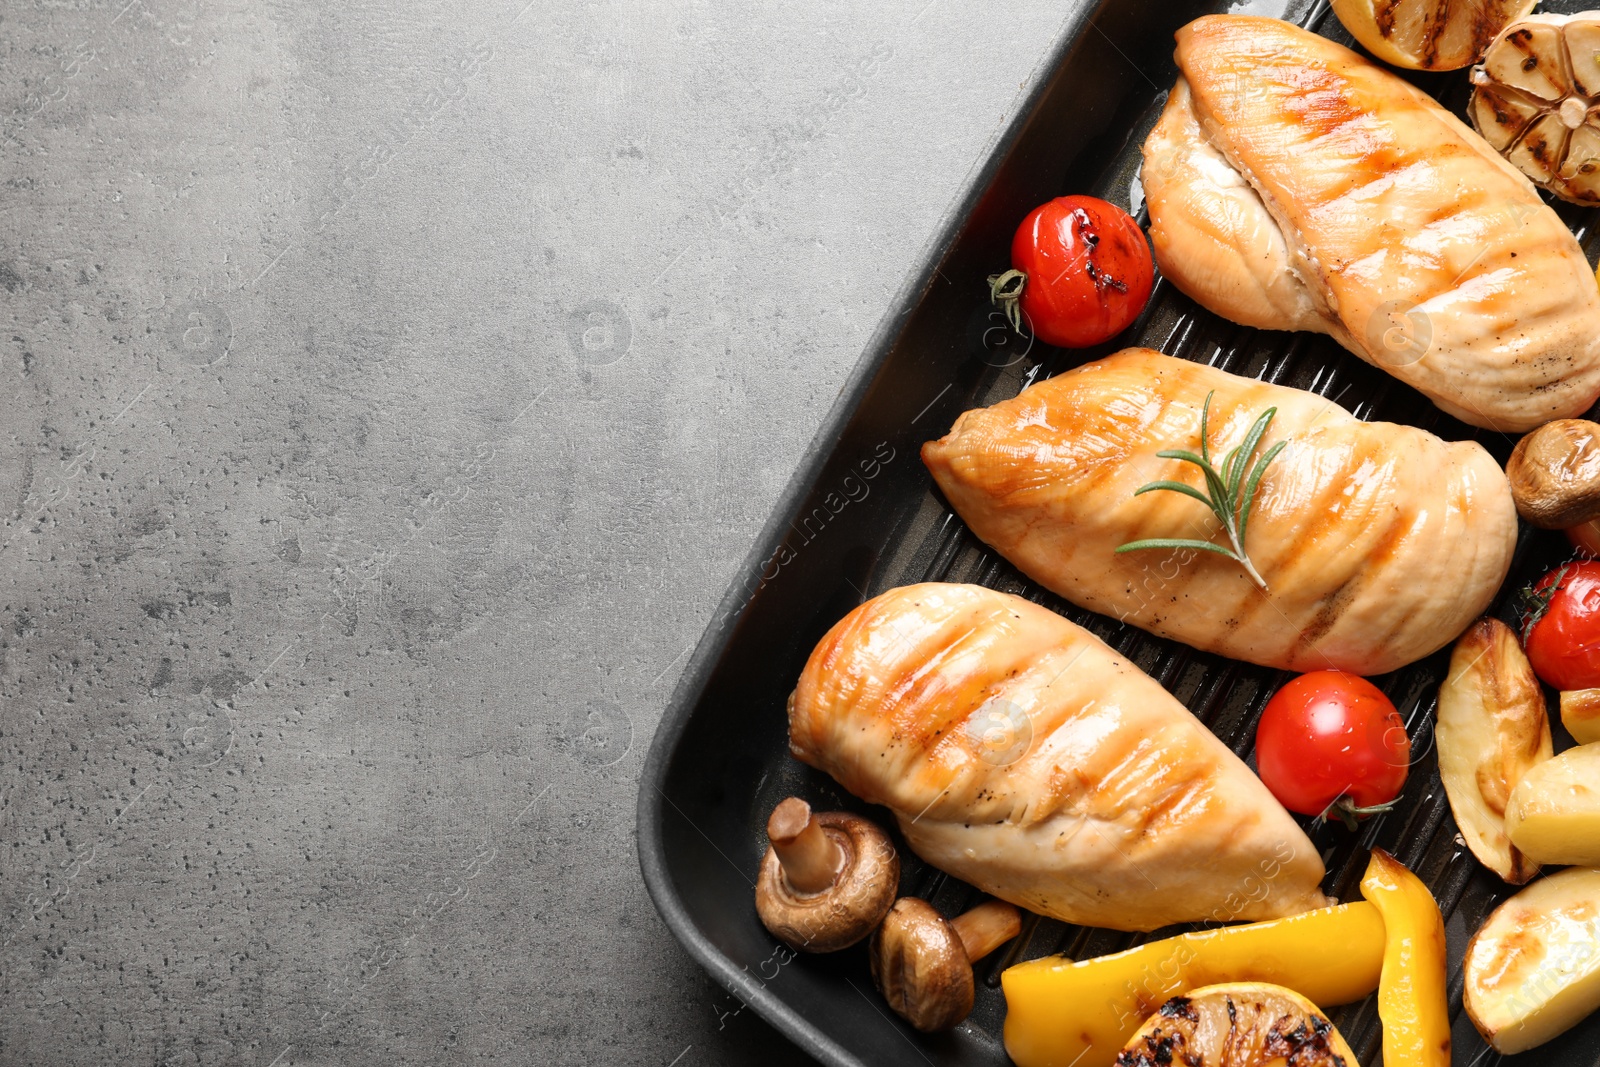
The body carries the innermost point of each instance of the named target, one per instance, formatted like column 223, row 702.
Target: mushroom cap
column 919, row 966
column 1555, row 474
column 847, row 911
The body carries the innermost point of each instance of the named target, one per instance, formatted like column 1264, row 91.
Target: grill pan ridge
column 862, row 516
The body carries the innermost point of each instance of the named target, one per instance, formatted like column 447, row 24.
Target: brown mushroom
column 923, row 965
column 827, row 879
column 1555, row 474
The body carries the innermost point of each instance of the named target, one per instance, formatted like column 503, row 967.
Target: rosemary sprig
column 1223, row 495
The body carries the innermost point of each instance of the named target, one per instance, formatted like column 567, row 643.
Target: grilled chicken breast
column 1378, row 543
column 1020, row 753
column 1293, row 185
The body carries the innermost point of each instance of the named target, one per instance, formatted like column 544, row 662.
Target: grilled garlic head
column 1536, row 99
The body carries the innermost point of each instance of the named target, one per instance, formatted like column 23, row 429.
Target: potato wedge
column 1492, row 728
column 1534, row 969
column 1553, row 815
column 1580, row 714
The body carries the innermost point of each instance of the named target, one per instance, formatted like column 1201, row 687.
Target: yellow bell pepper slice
column 1413, row 1003
column 1065, row 1014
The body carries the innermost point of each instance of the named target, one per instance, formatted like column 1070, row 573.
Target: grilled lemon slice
column 1428, row 34
column 1536, row 99
column 1239, row 1024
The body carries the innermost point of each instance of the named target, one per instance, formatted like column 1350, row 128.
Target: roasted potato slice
column 1580, row 714
column 1534, row 969
column 1553, row 815
column 1492, row 729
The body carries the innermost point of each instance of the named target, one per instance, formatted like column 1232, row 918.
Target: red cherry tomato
column 1088, row 270
column 1330, row 739
column 1564, row 641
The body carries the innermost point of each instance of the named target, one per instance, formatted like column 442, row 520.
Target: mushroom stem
column 811, row 860
column 986, row 927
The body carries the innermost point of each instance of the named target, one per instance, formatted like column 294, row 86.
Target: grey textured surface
column 390, row 392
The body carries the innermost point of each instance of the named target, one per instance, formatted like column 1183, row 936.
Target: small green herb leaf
column 1223, row 489
column 1253, row 484
column 1172, row 487
column 1176, row 542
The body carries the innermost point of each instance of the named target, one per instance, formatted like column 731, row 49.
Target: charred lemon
column 1428, row 34
column 1240, row 1024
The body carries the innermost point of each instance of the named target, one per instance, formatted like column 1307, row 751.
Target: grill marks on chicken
column 1404, row 235
column 1379, row 543
column 1022, row 754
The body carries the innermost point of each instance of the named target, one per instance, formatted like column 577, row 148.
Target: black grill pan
column 862, row 516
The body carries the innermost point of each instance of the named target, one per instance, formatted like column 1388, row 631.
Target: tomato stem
column 1005, row 292
column 1350, row 813
column 1534, row 605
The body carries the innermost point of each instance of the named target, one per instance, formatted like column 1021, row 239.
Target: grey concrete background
column 390, row 392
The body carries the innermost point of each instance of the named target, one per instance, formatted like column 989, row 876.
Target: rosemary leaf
column 1223, row 490
column 1248, row 447
column 1255, row 481
column 1174, row 487
column 1177, row 542
column 1187, row 457
column 1227, row 467
column 1220, row 503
